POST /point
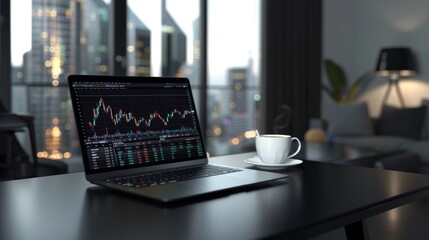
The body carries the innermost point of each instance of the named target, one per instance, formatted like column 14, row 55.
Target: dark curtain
column 291, row 62
column 5, row 52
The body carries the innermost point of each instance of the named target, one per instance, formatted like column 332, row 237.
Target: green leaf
column 354, row 89
column 332, row 94
column 337, row 79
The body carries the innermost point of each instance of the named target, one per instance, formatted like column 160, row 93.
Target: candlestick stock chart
column 123, row 124
column 108, row 117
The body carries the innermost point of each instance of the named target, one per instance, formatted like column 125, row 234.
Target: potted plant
column 337, row 89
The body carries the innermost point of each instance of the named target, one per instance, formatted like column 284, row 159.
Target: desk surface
column 318, row 197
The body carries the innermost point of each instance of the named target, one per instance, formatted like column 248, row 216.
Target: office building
column 173, row 44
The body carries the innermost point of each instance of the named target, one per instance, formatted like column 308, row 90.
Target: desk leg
column 356, row 230
column 9, row 149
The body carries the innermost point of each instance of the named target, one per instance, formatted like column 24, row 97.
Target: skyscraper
column 71, row 37
column 138, row 46
column 173, row 44
column 48, row 67
column 195, row 78
column 242, row 105
column 90, row 34
column 237, row 79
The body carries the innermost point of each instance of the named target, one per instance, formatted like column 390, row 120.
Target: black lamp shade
column 399, row 60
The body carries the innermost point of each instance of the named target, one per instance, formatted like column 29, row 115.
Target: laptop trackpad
column 182, row 190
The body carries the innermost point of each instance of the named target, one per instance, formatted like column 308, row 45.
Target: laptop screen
column 127, row 122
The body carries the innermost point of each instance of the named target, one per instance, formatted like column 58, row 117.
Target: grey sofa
column 396, row 129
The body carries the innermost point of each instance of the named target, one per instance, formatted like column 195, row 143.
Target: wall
column 355, row 31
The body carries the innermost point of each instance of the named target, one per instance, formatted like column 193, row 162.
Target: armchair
column 13, row 156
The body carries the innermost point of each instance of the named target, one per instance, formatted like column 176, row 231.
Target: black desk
column 335, row 152
column 318, row 197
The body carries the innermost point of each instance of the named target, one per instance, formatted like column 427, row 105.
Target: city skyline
column 243, row 46
column 72, row 38
column 69, row 37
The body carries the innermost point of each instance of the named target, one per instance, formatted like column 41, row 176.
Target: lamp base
column 393, row 83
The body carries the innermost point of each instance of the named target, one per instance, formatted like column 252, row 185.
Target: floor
column 410, row 221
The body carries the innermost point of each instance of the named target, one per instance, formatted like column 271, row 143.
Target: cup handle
column 297, row 150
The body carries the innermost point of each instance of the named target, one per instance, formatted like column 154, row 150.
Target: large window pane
column 163, row 39
column 167, row 35
column 55, row 38
column 234, row 78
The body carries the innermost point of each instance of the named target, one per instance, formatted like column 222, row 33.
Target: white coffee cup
column 275, row 148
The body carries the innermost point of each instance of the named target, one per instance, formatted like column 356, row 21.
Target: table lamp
column 395, row 63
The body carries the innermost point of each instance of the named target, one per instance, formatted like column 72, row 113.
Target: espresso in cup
column 275, row 148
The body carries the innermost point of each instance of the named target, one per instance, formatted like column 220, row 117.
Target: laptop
column 141, row 135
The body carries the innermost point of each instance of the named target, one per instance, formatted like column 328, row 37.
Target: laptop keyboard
column 176, row 175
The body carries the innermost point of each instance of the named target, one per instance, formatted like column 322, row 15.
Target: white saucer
column 256, row 161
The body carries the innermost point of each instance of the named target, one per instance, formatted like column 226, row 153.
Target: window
column 54, row 38
column 163, row 39
column 50, row 40
column 234, row 79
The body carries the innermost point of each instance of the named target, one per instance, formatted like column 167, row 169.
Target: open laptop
column 141, row 135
